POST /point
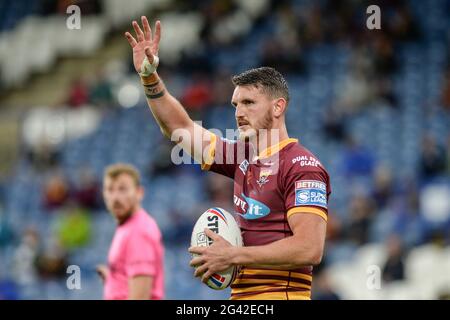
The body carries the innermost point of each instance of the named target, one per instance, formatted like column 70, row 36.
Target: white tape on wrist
column 148, row 68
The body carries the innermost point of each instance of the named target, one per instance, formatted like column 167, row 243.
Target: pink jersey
column 136, row 249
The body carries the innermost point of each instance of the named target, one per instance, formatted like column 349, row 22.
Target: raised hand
column 146, row 44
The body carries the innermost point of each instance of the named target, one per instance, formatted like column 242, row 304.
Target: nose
column 239, row 112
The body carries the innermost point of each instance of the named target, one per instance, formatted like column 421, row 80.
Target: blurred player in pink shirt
column 135, row 260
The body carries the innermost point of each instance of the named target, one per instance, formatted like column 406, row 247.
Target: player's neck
column 270, row 138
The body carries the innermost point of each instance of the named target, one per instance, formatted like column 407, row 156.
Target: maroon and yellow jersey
column 283, row 180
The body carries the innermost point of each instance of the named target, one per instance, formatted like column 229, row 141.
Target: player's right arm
column 168, row 112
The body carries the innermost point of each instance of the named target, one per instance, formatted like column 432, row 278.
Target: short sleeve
column 307, row 192
column 224, row 155
column 141, row 255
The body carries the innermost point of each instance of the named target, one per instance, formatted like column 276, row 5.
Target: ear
column 279, row 107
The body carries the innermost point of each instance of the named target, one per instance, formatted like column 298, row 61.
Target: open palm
column 146, row 44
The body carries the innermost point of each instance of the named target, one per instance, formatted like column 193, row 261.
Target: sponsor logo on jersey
column 263, row 177
column 306, row 161
column 311, row 193
column 244, row 166
column 253, row 209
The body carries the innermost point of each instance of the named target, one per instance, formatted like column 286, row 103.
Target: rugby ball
column 221, row 222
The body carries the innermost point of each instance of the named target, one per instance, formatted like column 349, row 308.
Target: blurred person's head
column 361, row 207
column 122, row 191
column 30, row 237
column 394, row 246
column 261, row 97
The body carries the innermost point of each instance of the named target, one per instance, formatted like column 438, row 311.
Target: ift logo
column 374, row 20
column 73, row 22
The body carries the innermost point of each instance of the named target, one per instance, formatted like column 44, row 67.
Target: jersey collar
column 275, row 148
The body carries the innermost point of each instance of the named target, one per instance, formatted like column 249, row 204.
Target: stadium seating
column 130, row 135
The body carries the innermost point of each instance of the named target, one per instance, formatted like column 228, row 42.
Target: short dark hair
column 266, row 78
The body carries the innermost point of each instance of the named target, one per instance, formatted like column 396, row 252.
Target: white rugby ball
column 221, row 222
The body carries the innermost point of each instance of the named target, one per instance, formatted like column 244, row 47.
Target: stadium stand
column 370, row 104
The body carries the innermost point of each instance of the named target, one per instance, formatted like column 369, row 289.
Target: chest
column 117, row 251
column 257, row 191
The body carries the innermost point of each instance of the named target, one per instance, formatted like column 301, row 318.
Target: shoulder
column 145, row 227
column 297, row 159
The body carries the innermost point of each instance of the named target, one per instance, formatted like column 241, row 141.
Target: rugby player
column 281, row 189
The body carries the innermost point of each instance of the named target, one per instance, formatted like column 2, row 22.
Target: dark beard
column 265, row 123
column 122, row 220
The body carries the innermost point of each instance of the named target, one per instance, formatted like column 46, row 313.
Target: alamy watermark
column 73, row 281
column 374, row 20
column 73, row 22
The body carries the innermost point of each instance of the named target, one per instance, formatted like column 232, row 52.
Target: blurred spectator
column 74, row 228
column 357, row 90
column 402, row 24
column 198, row 94
column 52, row 261
column 334, row 125
column 24, row 260
column 86, row 6
column 6, row 233
column 222, row 88
column 334, row 228
column 286, row 59
column 43, row 157
column 408, row 223
column 361, row 216
column 56, row 191
column 87, row 190
column 394, row 267
column 78, row 94
column 383, row 187
column 448, row 154
column 433, row 158
column 162, row 163
column 357, row 159
column 100, row 92
column 384, row 62
column 446, row 90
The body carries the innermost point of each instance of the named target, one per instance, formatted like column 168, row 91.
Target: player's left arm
column 306, row 203
column 304, row 248
column 140, row 287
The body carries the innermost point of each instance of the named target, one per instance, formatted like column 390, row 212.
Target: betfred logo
column 311, row 193
column 310, row 184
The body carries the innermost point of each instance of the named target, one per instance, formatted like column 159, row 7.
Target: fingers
column 206, row 276
column 147, row 29
column 197, row 250
column 157, row 37
column 139, row 33
column 200, row 271
column 131, row 40
column 196, row 261
column 212, row 234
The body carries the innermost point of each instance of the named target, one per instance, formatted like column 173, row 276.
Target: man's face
column 253, row 111
column 122, row 196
